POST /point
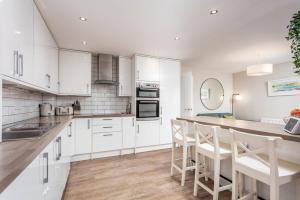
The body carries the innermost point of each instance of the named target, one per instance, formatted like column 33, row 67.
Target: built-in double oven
column 147, row 103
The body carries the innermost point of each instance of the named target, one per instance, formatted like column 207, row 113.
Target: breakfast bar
column 253, row 127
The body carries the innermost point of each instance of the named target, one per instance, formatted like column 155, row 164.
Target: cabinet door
column 83, row 136
column 45, row 55
column 147, row 133
column 128, row 124
column 125, row 81
column 74, row 73
column 147, row 69
column 169, row 97
column 17, row 39
column 27, row 186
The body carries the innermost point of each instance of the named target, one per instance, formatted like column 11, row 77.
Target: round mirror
column 212, row 94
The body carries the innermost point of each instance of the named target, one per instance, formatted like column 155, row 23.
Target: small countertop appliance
column 46, row 109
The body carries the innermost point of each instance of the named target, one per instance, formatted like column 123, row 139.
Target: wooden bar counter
column 245, row 126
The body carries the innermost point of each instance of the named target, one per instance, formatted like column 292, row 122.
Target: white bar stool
column 259, row 163
column 208, row 145
column 180, row 137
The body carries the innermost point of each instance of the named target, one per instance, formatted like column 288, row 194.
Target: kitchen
column 90, row 112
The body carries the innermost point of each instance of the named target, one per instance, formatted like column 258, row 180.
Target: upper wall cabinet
column 28, row 52
column 17, row 39
column 75, row 73
column 45, row 55
column 147, row 68
column 124, row 88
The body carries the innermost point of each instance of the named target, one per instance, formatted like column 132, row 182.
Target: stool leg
column 241, row 184
column 173, row 158
column 216, row 178
column 184, row 158
column 274, row 191
column 196, row 174
column 254, row 189
column 234, row 195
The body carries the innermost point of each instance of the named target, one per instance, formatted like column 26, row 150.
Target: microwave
column 147, row 90
column 147, row 109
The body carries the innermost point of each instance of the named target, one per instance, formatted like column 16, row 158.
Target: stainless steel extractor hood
column 105, row 69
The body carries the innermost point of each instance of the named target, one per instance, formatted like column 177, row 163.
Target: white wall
column 199, row 76
column 256, row 103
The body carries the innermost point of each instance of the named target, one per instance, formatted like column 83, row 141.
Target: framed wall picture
column 286, row 86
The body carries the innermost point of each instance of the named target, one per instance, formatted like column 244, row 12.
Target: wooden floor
column 131, row 177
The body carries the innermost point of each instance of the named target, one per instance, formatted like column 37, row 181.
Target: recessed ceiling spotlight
column 212, row 12
column 177, row 38
column 83, row 18
column 84, row 43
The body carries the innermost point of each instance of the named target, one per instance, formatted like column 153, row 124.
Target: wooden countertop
column 16, row 155
column 245, row 126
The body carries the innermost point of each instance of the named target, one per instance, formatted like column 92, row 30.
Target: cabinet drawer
column 107, row 141
column 108, row 120
column 106, row 128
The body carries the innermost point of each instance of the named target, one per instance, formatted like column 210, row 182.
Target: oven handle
column 147, row 89
column 148, row 101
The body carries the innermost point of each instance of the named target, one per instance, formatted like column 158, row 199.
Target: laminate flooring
column 131, row 177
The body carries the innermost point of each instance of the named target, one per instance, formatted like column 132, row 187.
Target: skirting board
column 81, row 157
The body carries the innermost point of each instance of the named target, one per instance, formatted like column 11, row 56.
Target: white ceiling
column 243, row 32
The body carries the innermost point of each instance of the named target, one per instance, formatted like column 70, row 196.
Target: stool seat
column 209, row 150
column 287, row 171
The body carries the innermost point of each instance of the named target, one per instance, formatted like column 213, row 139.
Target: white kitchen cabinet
column 45, row 55
column 125, row 81
column 27, row 186
column 83, row 136
column 108, row 141
column 17, row 39
column 147, row 133
column 128, row 128
column 75, row 73
column 170, row 71
column 147, row 69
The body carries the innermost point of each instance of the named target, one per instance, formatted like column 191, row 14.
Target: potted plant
column 294, row 37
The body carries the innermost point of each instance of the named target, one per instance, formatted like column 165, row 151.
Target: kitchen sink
column 26, row 131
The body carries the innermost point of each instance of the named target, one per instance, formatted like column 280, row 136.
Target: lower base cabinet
column 147, row 133
column 83, row 136
column 45, row 178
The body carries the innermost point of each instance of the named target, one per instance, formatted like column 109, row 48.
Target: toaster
column 64, row 110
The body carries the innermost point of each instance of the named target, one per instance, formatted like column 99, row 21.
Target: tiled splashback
column 20, row 104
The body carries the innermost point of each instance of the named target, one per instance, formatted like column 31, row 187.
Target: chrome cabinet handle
column 70, row 129
column 89, row 124
column 58, row 141
column 87, row 88
column 20, row 65
column 16, row 62
column 48, row 77
column 107, row 126
column 132, row 122
column 138, row 128
column 46, row 157
column 161, row 121
column 107, row 119
column 107, row 135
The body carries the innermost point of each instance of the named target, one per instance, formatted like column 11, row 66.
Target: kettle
column 46, row 109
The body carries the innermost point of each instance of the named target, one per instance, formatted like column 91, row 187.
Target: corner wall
column 256, row 103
